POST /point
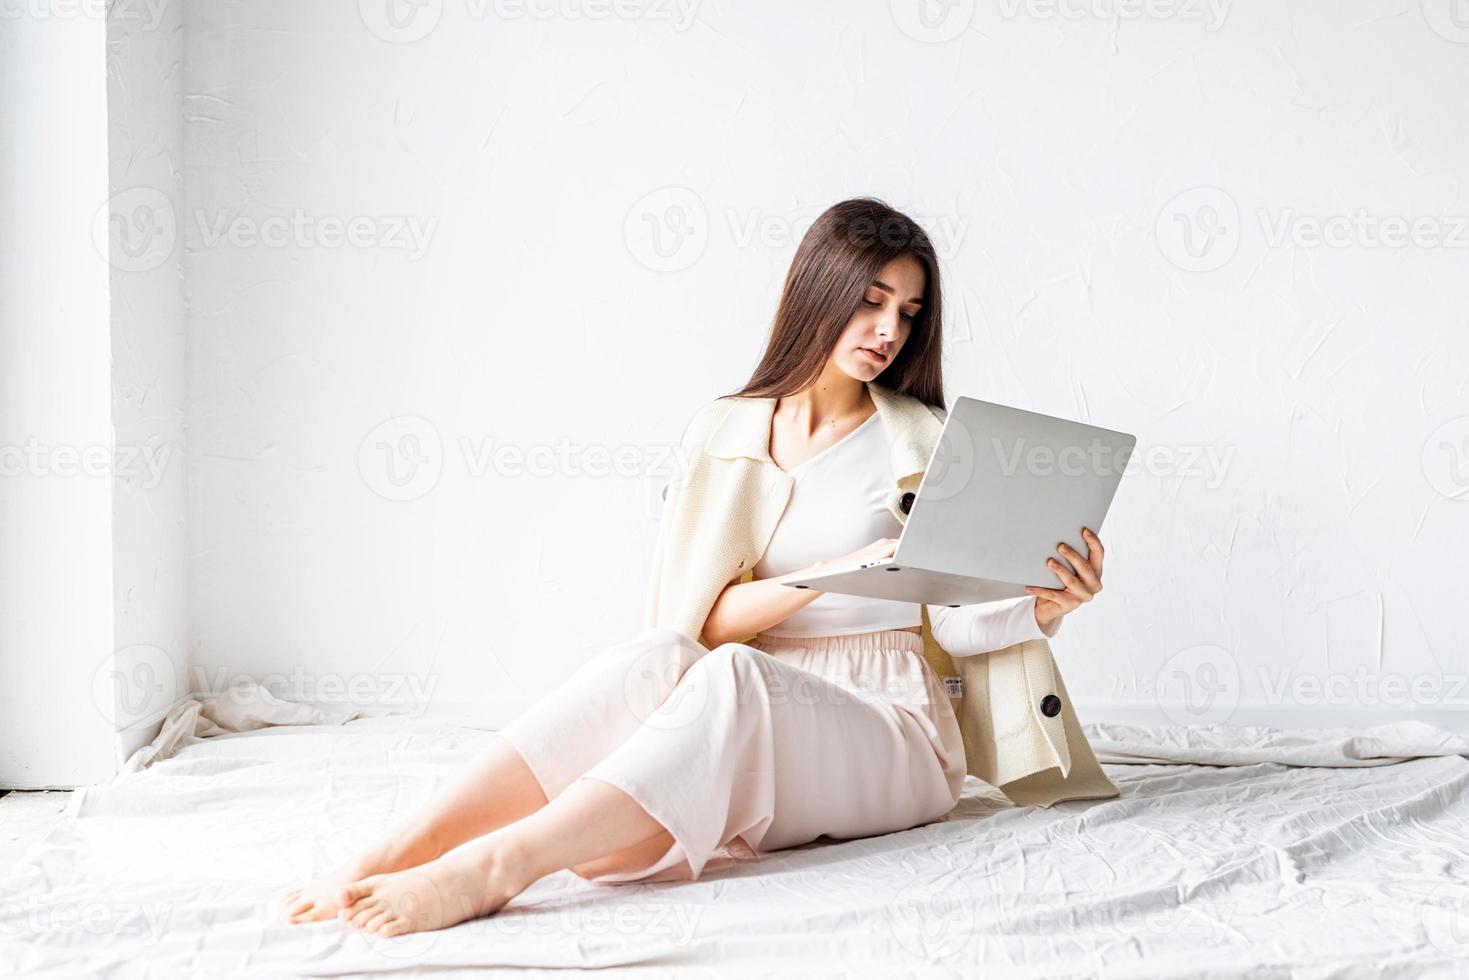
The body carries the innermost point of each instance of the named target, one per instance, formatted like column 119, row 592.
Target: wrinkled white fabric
column 244, row 707
column 1216, row 745
column 1266, row 869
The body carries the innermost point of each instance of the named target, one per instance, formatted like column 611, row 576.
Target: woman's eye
column 910, row 317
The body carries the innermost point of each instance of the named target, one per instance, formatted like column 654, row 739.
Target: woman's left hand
column 1081, row 585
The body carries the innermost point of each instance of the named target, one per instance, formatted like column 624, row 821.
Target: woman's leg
column 590, row 825
column 749, row 745
column 533, row 759
column 498, row 789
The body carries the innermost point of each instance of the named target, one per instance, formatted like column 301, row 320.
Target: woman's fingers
column 1065, row 600
column 1073, row 584
column 1081, row 575
column 1094, row 550
column 1081, row 567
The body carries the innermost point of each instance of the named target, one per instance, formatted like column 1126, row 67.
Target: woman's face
column 880, row 327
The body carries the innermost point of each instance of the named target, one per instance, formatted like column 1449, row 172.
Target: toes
column 392, row 927
column 362, row 914
column 351, row 892
column 377, row 920
column 312, row 913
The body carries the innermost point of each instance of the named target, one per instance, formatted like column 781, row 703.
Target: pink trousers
column 766, row 745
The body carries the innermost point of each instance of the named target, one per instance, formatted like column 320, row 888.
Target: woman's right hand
column 881, row 548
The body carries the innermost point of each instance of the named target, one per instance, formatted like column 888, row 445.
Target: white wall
column 575, row 227
column 93, row 546
column 55, row 436
column 145, row 83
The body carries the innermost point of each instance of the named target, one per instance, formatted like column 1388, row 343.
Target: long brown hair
column 836, row 261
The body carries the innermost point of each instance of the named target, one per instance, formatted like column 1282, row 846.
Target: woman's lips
column 873, row 354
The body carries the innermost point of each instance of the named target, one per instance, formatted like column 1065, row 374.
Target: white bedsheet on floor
column 1255, row 868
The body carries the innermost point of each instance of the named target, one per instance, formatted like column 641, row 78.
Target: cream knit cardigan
column 720, row 509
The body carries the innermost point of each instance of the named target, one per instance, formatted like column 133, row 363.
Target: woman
column 828, row 721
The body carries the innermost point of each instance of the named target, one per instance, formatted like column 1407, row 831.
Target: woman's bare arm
column 745, row 608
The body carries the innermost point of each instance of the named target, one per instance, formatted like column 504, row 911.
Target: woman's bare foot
column 320, row 899
column 474, row 880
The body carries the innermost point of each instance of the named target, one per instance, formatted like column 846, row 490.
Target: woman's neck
column 827, row 402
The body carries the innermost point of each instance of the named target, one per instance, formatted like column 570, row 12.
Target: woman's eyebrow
column 887, row 289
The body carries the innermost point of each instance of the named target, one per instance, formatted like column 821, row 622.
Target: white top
column 837, row 505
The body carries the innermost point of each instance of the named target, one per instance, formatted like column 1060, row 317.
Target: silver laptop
column 1002, row 489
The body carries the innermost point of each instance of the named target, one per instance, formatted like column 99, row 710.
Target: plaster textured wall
column 418, row 234
column 55, row 432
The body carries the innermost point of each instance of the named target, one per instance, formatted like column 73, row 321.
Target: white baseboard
column 138, row 734
column 496, row 713
column 490, row 714
column 1275, row 716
